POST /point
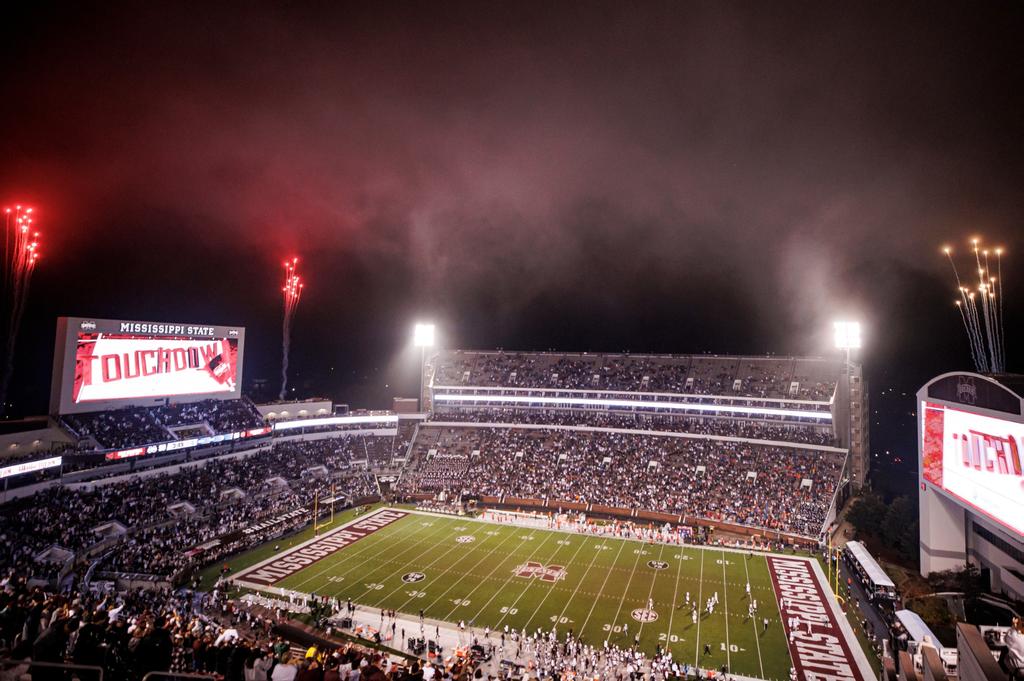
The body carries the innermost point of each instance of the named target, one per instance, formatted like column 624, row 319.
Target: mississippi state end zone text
column 291, row 562
column 819, row 650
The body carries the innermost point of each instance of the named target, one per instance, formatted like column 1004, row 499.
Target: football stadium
column 511, row 341
column 529, row 511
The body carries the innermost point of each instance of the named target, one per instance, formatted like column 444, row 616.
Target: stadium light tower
column 847, row 338
column 423, row 338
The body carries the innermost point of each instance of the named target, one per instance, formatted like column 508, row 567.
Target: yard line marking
column 700, row 598
column 580, row 583
column 539, row 605
column 425, row 538
column 725, row 597
column 675, row 599
column 757, row 639
column 522, row 540
column 650, row 594
column 345, row 556
column 608, row 573
column 508, row 580
column 446, row 570
column 639, row 553
column 468, row 572
column 412, row 563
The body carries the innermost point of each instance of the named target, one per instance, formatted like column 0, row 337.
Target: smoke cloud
column 682, row 176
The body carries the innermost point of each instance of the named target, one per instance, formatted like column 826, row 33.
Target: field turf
column 605, row 581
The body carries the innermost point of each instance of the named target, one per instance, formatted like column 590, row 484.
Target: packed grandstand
column 151, row 495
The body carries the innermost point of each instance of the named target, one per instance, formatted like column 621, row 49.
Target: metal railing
column 177, row 675
column 94, row 671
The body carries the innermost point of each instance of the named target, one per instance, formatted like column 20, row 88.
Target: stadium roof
column 875, row 572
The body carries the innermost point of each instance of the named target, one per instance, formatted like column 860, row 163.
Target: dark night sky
column 679, row 176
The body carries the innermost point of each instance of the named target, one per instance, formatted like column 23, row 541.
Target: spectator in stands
column 761, row 377
column 137, row 426
column 159, row 542
column 731, row 481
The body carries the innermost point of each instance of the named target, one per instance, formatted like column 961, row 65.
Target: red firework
column 21, row 253
column 292, row 290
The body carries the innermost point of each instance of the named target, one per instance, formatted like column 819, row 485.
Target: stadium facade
column 971, row 481
column 763, row 446
column 695, row 440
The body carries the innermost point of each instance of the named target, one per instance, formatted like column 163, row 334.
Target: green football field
column 489, row 574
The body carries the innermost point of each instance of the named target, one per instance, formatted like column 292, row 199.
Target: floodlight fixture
column 847, row 335
column 423, row 336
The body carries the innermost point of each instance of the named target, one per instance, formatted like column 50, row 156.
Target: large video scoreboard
column 976, row 460
column 971, row 475
column 108, row 363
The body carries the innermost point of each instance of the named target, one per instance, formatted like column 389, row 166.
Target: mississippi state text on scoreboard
column 104, row 364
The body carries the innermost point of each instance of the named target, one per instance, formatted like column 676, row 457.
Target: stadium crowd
column 135, row 632
column 725, row 427
column 135, row 426
column 698, row 374
column 166, row 514
column 223, row 416
column 755, row 485
column 126, row 635
column 119, row 428
column 546, row 655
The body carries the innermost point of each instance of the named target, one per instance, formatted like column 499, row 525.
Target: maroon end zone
column 818, row 647
column 274, row 570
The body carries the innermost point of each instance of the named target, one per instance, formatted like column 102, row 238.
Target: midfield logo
column 643, row 615
column 551, row 573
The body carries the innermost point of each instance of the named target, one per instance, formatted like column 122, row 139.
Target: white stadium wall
column 943, row 544
column 286, row 411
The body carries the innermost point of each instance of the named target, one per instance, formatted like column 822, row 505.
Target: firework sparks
column 21, row 254
column 292, row 290
column 981, row 309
